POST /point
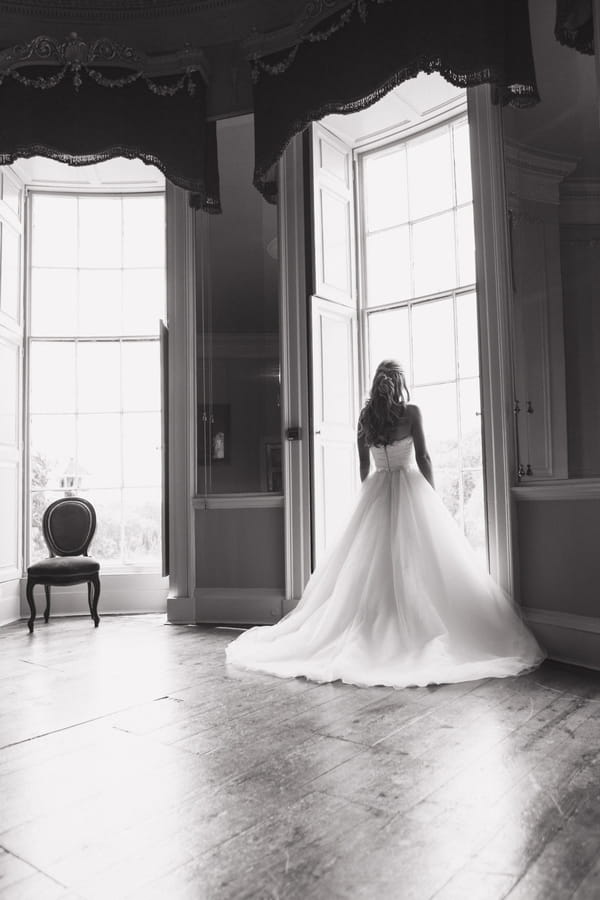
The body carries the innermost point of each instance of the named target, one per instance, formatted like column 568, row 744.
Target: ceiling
column 113, row 175
column 413, row 102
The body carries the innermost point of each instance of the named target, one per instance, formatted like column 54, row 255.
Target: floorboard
column 135, row 764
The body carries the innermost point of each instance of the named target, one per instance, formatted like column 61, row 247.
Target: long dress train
column 401, row 599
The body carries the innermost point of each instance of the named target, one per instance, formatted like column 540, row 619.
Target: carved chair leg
column 31, row 603
column 47, row 610
column 94, row 603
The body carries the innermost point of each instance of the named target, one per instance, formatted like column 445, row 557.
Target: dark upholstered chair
column 68, row 525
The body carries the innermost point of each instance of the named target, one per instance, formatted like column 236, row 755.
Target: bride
column 402, row 599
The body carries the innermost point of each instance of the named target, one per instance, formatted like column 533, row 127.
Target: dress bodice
column 397, row 455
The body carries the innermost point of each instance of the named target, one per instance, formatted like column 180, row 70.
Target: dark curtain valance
column 575, row 24
column 77, row 109
column 355, row 56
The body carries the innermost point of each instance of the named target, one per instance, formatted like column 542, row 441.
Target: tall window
column 419, row 302
column 97, row 294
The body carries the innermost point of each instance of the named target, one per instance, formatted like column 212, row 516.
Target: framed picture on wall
column 214, row 434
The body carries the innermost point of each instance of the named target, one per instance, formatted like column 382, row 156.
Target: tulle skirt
column 400, row 600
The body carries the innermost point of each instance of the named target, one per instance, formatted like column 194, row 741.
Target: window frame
column 401, row 136
column 120, row 568
column 493, row 293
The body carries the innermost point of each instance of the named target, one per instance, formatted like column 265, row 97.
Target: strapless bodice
column 397, row 455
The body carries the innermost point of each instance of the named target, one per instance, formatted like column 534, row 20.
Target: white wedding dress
column 401, row 599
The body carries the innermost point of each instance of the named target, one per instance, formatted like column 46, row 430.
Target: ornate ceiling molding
column 75, row 57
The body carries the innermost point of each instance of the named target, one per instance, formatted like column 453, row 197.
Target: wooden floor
column 133, row 764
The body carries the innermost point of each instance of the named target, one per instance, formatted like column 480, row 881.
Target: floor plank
column 135, row 764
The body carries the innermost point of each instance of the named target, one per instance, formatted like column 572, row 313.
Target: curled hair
column 386, row 406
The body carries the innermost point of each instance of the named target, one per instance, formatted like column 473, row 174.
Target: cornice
column 113, row 10
column 580, row 202
column 247, row 17
column 534, row 174
column 256, row 26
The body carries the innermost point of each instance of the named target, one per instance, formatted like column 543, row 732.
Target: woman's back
column 395, row 455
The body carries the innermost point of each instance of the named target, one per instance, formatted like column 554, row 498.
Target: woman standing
column 401, row 599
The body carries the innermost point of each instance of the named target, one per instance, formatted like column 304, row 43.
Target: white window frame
column 395, row 137
column 132, row 589
column 493, row 293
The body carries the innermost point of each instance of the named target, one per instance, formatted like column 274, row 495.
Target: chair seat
column 61, row 566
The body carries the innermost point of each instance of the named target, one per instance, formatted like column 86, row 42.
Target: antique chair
column 68, row 525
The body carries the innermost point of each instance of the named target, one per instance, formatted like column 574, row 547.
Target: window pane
column 52, row 377
column 99, row 443
column 433, row 341
column 440, row 423
column 462, row 163
column 468, row 342
column 107, row 544
column 388, row 266
column 54, row 302
column 141, row 375
column 389, row 338
column 77, row 291
column 447, row 485
column 466, row 245
column 433, row 255
column 98, row 376
column 54, row 238
column 144, row 231
column 10, row 268
column 99, row 302
column 430, row 173
column 144, row 293
column 38, row 548
column 53, row 449
column 141, row 507
column 386, row 189
column 141, row 449
column 100, row 232
column 474, row 510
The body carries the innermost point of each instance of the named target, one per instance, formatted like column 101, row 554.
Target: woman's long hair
column 386, row 406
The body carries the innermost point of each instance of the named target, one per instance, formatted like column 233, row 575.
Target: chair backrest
column 69, row 525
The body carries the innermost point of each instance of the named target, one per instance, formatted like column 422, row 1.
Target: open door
column 334, row 338
column 164, row 422
column 11, row 402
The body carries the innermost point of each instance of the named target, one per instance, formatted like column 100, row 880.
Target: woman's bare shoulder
column 413, row 412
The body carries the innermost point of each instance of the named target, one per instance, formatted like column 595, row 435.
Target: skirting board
column 180, row 611
column 567, row 637
column 10, row 601
column 135, row 593
column 238, row 606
